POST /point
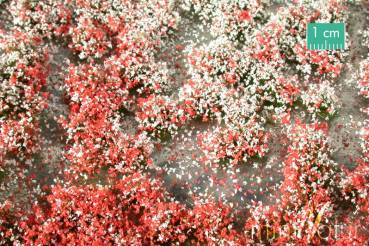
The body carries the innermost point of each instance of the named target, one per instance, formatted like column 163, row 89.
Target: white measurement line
column 326, row 46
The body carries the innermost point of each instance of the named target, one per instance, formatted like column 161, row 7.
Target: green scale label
column 325, row 36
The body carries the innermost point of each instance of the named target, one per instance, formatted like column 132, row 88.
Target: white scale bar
column 326, row 46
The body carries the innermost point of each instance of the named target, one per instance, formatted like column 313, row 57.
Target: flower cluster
column 284, row 39
column 312, row 189
column 161, row 116
column 133, row 211
column 236, row 81
column 320, row 100
column 363, row 82
column 223, row 145
column 95, row 138
column 365, row 36
column 42, row 18
column 233, row 19
column 23, row 71
column 23, row 75
column 311, row 175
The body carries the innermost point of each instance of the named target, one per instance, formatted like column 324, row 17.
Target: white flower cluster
column 365, row 37
column 363, row 80
column 16, row 95
column 22, row 76
column 218, row 59
column 364, row 143
column 45, row 18
column 233, row 19
column 363, row 84
column 320, row 100
column 222, row 75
